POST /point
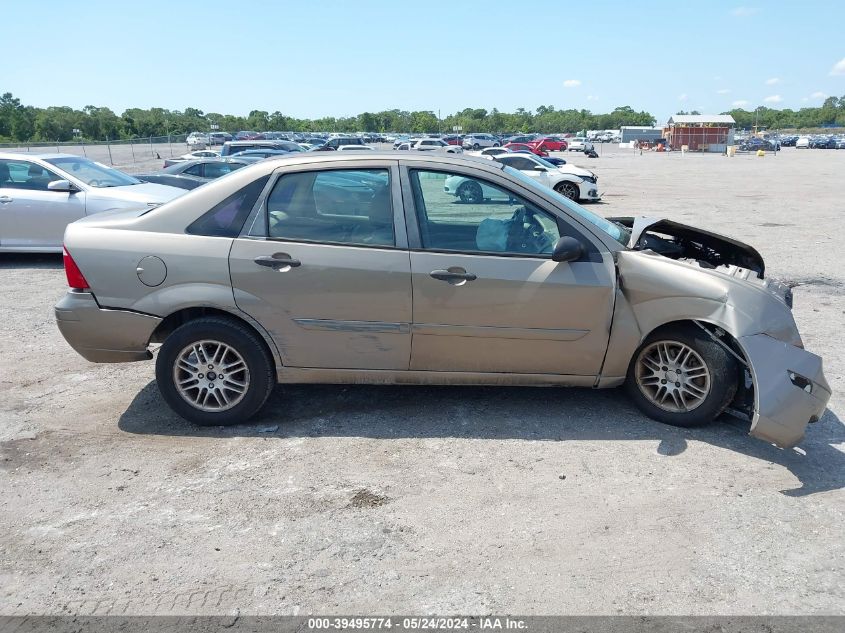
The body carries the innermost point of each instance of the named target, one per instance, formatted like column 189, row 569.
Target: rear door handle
column 456, row 276
column 278, row 261
column 5, row 200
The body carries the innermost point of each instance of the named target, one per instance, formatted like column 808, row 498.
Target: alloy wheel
column 210, row 375
column 672, row 376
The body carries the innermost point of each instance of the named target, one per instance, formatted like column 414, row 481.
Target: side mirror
column 62, row 185
column 539, row 168
column 567, row 249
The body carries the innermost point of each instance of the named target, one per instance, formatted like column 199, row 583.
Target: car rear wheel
column 682, row 377
column 476, row 147
column 214, row 371
column 470, row 192
column 568, row 189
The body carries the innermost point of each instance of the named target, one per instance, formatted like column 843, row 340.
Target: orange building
column 700, row 132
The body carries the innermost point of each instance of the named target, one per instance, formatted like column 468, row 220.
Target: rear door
column 32, row 216
column 487, row 296
column 325, row 267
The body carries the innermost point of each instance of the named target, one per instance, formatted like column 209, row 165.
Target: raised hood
column 681, row 241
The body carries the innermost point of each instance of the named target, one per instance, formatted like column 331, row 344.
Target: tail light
column 75, row 279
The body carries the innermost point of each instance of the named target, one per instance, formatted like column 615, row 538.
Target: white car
column 579, row 144
column 491, row 151
column 355, row 148
column 197, row 140
column 436, row 144
column 803, row 141
column 570, row 181
column 40, row 194
column 477, row 141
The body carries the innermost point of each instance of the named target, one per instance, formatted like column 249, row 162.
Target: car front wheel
column 682, row 377
column 214, row 371
column 568, row 189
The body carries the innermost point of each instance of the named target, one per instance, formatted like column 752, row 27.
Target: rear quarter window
column 226, row 219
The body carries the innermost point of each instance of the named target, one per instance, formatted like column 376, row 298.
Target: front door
column 32, row 216
column 488, row 297
column 327, row 271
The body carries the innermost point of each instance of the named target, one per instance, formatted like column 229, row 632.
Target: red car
column 453, row 139
column 523, row 147
column 550, row 144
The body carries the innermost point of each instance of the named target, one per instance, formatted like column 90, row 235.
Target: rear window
column 226, row 219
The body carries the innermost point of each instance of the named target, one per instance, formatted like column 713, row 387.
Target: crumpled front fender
column 790, row 389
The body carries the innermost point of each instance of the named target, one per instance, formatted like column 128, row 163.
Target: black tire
column 470, row 193
column 722, row 366
column 568, row 190
column 245, row 342
column 476, row 147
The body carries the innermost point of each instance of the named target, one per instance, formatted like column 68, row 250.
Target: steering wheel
column 527, row 234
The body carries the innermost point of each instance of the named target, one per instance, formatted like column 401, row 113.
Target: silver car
column 353, row 268
column 41, row 194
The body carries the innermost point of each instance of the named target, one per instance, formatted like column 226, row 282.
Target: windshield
column 617, row 232
column 544, row 162
column 93, row 174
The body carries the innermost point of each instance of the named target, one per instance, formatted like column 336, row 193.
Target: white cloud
column 773, row 81
column 838, row 67
column 773, row 99
column 744, row 12
column 805, row 99
column 683, row 97
column 818, row 95
column 723, row 91
column 571, row 83
column 740, row 104
column 592, row 98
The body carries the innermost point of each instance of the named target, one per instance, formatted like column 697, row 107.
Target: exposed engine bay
column 702, row 248
column 679, row 241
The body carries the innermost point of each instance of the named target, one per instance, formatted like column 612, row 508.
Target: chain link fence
column 134, row 155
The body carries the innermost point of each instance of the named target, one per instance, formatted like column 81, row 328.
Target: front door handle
column 278, row 261
column 5, row 200
column 456, row 276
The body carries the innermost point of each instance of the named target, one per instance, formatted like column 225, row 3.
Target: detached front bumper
column 790, row 389
column 101, row 335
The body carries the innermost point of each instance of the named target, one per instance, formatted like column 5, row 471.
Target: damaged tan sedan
column 365, row 269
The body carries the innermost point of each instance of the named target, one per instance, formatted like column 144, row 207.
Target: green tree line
column 22, row 123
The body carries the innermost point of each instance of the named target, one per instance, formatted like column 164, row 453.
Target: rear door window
column 341, row 206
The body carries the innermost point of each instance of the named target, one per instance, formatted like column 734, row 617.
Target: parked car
column 180, row 181
column 491, row 151
column 477, row 141
column 233, row 147
column 218, row 138
column 524, row 147
column 454, row 139
column 521, row 138
column 211, row 168
column 532, row 290
column 200, row 153
column 436, row 144
column 579, row 144
column 568, row 180
column 40, row 194
column 246, row 135
column 840, row 143
column 549, row 144
column 823, row 142
column 355, row 148
column 197, row 140
column 803, row 142
column 336, row 141
column 557, row 162
column 261, row 153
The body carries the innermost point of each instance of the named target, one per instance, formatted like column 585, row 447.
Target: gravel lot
column 402, row 499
